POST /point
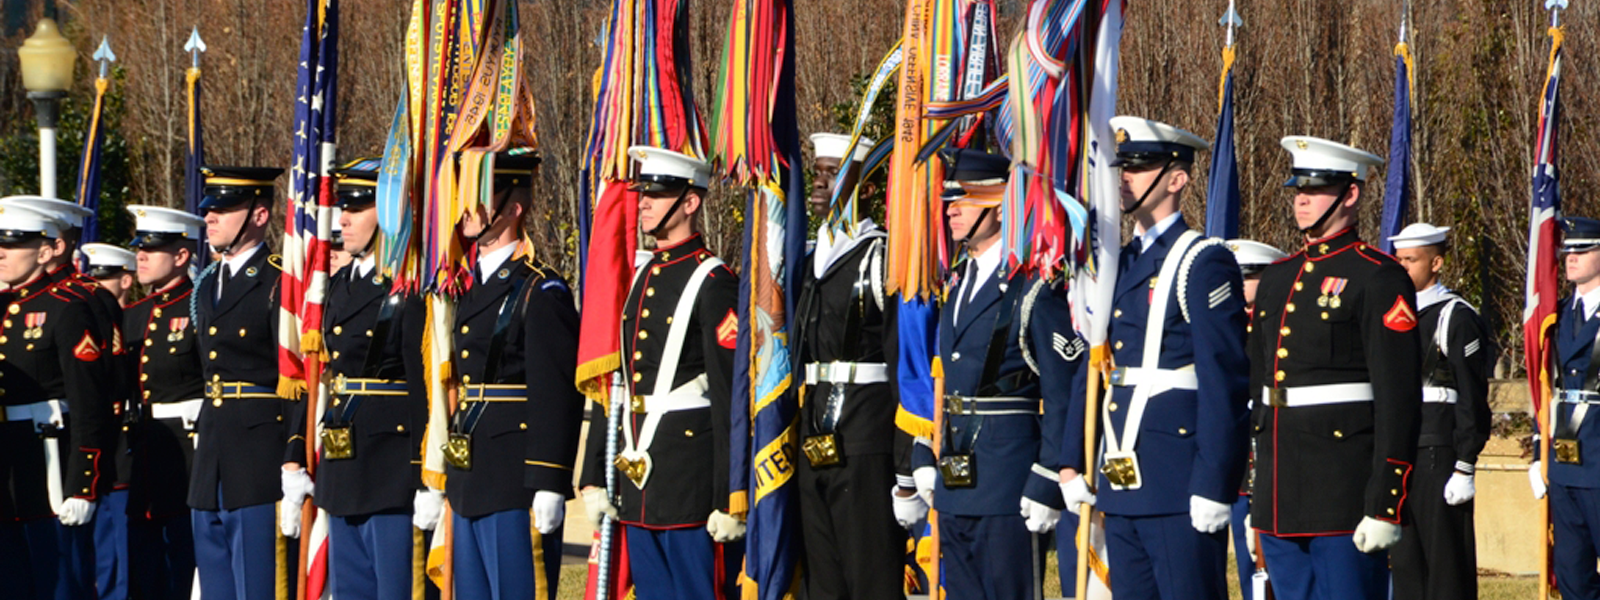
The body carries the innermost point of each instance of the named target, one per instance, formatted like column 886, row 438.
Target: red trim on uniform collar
column 1319, row 249
column 693, row 238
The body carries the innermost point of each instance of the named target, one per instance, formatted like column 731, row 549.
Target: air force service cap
column 1417, row 235
column 1141, row 142
column 833, row 145
column 157, row 226
column 1582, row 234
column 974, row 176
column 1318, row 162
column 663, row 171
column 106, row 260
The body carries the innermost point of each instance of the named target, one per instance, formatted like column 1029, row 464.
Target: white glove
column 596, row 505
column 1076, row 492
column 76, row 511
column 1459, row 490
column 549, row 509
column 289, row 518
column 908, row 510
column 296, row 486
column 1536, row 479
column 1207, row 515
column 1249, row 538
column 925, row 476
column 427, row 507
column 1373, row 535
column 724, row 527
column 1039, row 518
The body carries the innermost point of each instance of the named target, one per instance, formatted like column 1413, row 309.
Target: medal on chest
column 35, row 325
column 1332, row 288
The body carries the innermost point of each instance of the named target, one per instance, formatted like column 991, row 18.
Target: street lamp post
column 47, row 64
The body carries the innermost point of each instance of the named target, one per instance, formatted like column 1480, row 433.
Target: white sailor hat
column 833, row 145
column 70, row 214
column 667, row 171
column 156, row 226
column 1419, row 234
column 20, row 223
column 106, row 260
column 1318, row 162
column 1254, row 256
column 1141, row 141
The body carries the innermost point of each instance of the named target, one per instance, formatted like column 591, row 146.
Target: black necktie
column 222, row 284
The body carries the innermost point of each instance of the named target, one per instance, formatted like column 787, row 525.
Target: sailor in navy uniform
column 246, row 457
column 160, row 333
column 1173, row 452
column 1009, row 358
column 679, row 332
column 844, row 342
column 514, row 436
column 1437, row 555
column 1575, row 438
column 372, row 433
column 1335, row 377
column 53, row 377
column 1253, row 257
column 111, row 268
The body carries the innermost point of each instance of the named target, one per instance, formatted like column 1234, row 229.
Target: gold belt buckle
column 458, row 451
column 637, row 405
column 1121, row 470
column 341, row 385
column 822, row 450
column 336, row 443
column 1278, row 397
column 958, row 470
column 214, row 390
column 634, row 470
column 1567, row 451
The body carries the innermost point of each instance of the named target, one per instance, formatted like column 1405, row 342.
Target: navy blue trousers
column 1327, row 567
column 1163, row 558
column 111, row 546
column 682, row 563
column 1067, row 551
column 163, row 555
column 236, row 552
column 45, row 560
column 1575, row 512
column 495, row 555
column 1241, row 547
column 990, row 558
column 370, row 556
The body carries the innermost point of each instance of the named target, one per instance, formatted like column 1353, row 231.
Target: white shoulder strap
column 680, row 326
column 1183, row 273
column 1151, row 359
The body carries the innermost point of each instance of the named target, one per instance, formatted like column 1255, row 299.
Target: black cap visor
column 659, row 184
column 17, row 236
column 1313, row 178
column 151, row 240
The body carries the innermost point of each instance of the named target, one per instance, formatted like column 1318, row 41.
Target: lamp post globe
column 48, row 60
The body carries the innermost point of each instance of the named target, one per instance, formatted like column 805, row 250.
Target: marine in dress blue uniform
column 1009, row 358
column 163, row 343
column 1335, row 379
column 681, row 532
column 58, row 428
column 369, row 468
column 111, row 268
column 1574, row 474
column 1173, row 451
column 1253, row 257
column 844, row 336
column 514, row 436
column 243, row 437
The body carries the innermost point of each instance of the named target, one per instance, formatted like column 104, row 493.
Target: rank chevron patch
column 86, row 350
column 1400, row 317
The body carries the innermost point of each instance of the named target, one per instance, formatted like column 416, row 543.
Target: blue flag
column 1222, row 189
column 1397, row 188
column 194, row 184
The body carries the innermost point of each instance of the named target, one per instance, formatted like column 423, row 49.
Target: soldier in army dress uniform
column 1334, row 356
column 160, row 333
column 1009, row 358
column 514, row 436
column 58, row 428
column 372, row 433
column 844, row 345
column 1575, row 444
column 1437, row 555
column 679, row 332
column 1173, row 451
column 246, row 456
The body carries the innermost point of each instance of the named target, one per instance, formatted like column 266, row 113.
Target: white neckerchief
column 1148, row 238
column 235, row 264
column 1435, row 294
column 489, row 262
column 1591, row 301
column 981, row 269
column 830, row 248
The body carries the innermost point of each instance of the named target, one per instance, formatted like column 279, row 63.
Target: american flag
column 307, row 229
column 1539, row 310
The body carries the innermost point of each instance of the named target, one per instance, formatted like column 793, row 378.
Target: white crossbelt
column 54, row 413
column 1439, row 395
column 186, row 410
column 1318, row 395
column 846, row 372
